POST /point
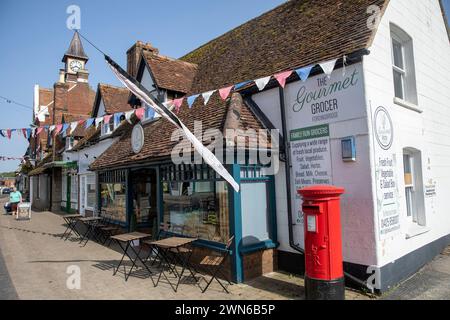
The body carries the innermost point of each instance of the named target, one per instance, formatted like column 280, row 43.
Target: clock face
column 137, row 138
column 75, row 65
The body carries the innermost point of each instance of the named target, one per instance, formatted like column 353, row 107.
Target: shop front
column 196, row 202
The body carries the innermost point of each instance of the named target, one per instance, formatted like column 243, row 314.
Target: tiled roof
column 90, row 135
column 40, row 166
column 115, row 99
column 295, row 34
column 171, row 74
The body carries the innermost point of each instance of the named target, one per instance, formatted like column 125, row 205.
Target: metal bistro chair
column 214, row 264
column 107, row 227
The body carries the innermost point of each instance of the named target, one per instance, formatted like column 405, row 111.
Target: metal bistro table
column 128, row 239
column 90, row 224
column 71, row 221
column 174, row 245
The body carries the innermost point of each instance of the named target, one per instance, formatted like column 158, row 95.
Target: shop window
column 64, row 190
column 113, row 200
column 403, row 66
column 73, row 191
column 91, row 193
column 144, row 195
column 414, row 196
column 255, row 213
column 197, row 208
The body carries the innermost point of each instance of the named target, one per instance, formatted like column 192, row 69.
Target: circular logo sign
column 137, row 138
column 384, row 130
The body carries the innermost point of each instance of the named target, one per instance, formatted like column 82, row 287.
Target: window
column 64, row 190
column 91, row 193
column 73, row 191
column 113, row 194
column 255, row 213
column 403, row 66
column 195, row 202
column 414, row 196
column 69, row 143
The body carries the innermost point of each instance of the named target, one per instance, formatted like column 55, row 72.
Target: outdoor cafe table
column 174, row 244
column 90, row 223
column 71, row 221
column 128, row 239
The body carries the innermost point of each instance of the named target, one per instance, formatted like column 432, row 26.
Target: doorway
column 144, row 195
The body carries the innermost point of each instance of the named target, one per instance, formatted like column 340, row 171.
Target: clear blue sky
column 34, row 37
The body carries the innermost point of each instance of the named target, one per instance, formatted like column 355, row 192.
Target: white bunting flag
column 73, row 126
column 206, row 96
column 262, row 82
column 128, row 116
column 98, row 121
column 52, row 127
column 328, row 67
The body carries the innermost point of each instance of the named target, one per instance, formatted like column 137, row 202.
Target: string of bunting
column 4, row 158
column 281, row 77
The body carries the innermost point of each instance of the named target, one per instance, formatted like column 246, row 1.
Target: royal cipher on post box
column 324, row 276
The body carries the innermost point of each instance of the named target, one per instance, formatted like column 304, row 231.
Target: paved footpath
column 35, row 264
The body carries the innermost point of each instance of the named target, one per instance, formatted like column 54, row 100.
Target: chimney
column 134, row 55
column 62, row 76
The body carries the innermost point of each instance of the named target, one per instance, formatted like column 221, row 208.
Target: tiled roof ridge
column 107, row 85
column 150, row 55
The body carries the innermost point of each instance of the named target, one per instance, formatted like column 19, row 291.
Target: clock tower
column 75, row 60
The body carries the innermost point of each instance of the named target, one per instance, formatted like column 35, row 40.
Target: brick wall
column 259, row 263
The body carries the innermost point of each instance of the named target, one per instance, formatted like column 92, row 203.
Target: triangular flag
column 73, row 126
column 150, row 113
column 140, row 113
column 128, row 115
column 51, row 128
column 261, row 83
column 282, row 77
column 65, row 127
column 303, row 73
column 191, row 100
column 225, row 92
column 240, row 85
column 89, row 122
column 8, row 133
column 58, row 128
column 107, row 118
column 117, row 117
column 206, row 96
column 178, row 103
column 2, row 134
column 39, row 130
column 24, row 132
column 328, row 67
column 28, row 133
column 98, row 121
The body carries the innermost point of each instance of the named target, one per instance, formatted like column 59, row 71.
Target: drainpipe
column 287, row 168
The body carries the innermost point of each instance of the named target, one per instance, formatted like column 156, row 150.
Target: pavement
column 35, row 263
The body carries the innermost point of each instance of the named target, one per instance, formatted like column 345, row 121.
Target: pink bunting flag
column 225, row 92
column 24, row 132
column 58, row 129
column 107, row 118
column 282, row 77
column 140, row 113
column 39, row 130
column 177, row 103
column 8, row 133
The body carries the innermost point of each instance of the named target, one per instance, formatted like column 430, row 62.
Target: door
column 83, row 195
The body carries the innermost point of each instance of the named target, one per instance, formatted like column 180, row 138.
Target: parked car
column 6, row 191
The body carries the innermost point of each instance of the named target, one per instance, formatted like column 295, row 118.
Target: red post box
column 324, row 276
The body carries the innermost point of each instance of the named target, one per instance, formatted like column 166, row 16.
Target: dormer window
column 108, row 128
column 69, row 143
column 403, row 66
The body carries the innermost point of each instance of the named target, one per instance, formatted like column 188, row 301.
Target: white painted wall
column 357, row 205
column 428, row 131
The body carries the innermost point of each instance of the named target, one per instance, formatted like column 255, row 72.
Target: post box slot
column 312, row 209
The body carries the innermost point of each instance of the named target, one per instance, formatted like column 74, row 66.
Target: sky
column 34, row 37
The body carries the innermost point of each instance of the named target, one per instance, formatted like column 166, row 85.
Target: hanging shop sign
column 137, row 138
